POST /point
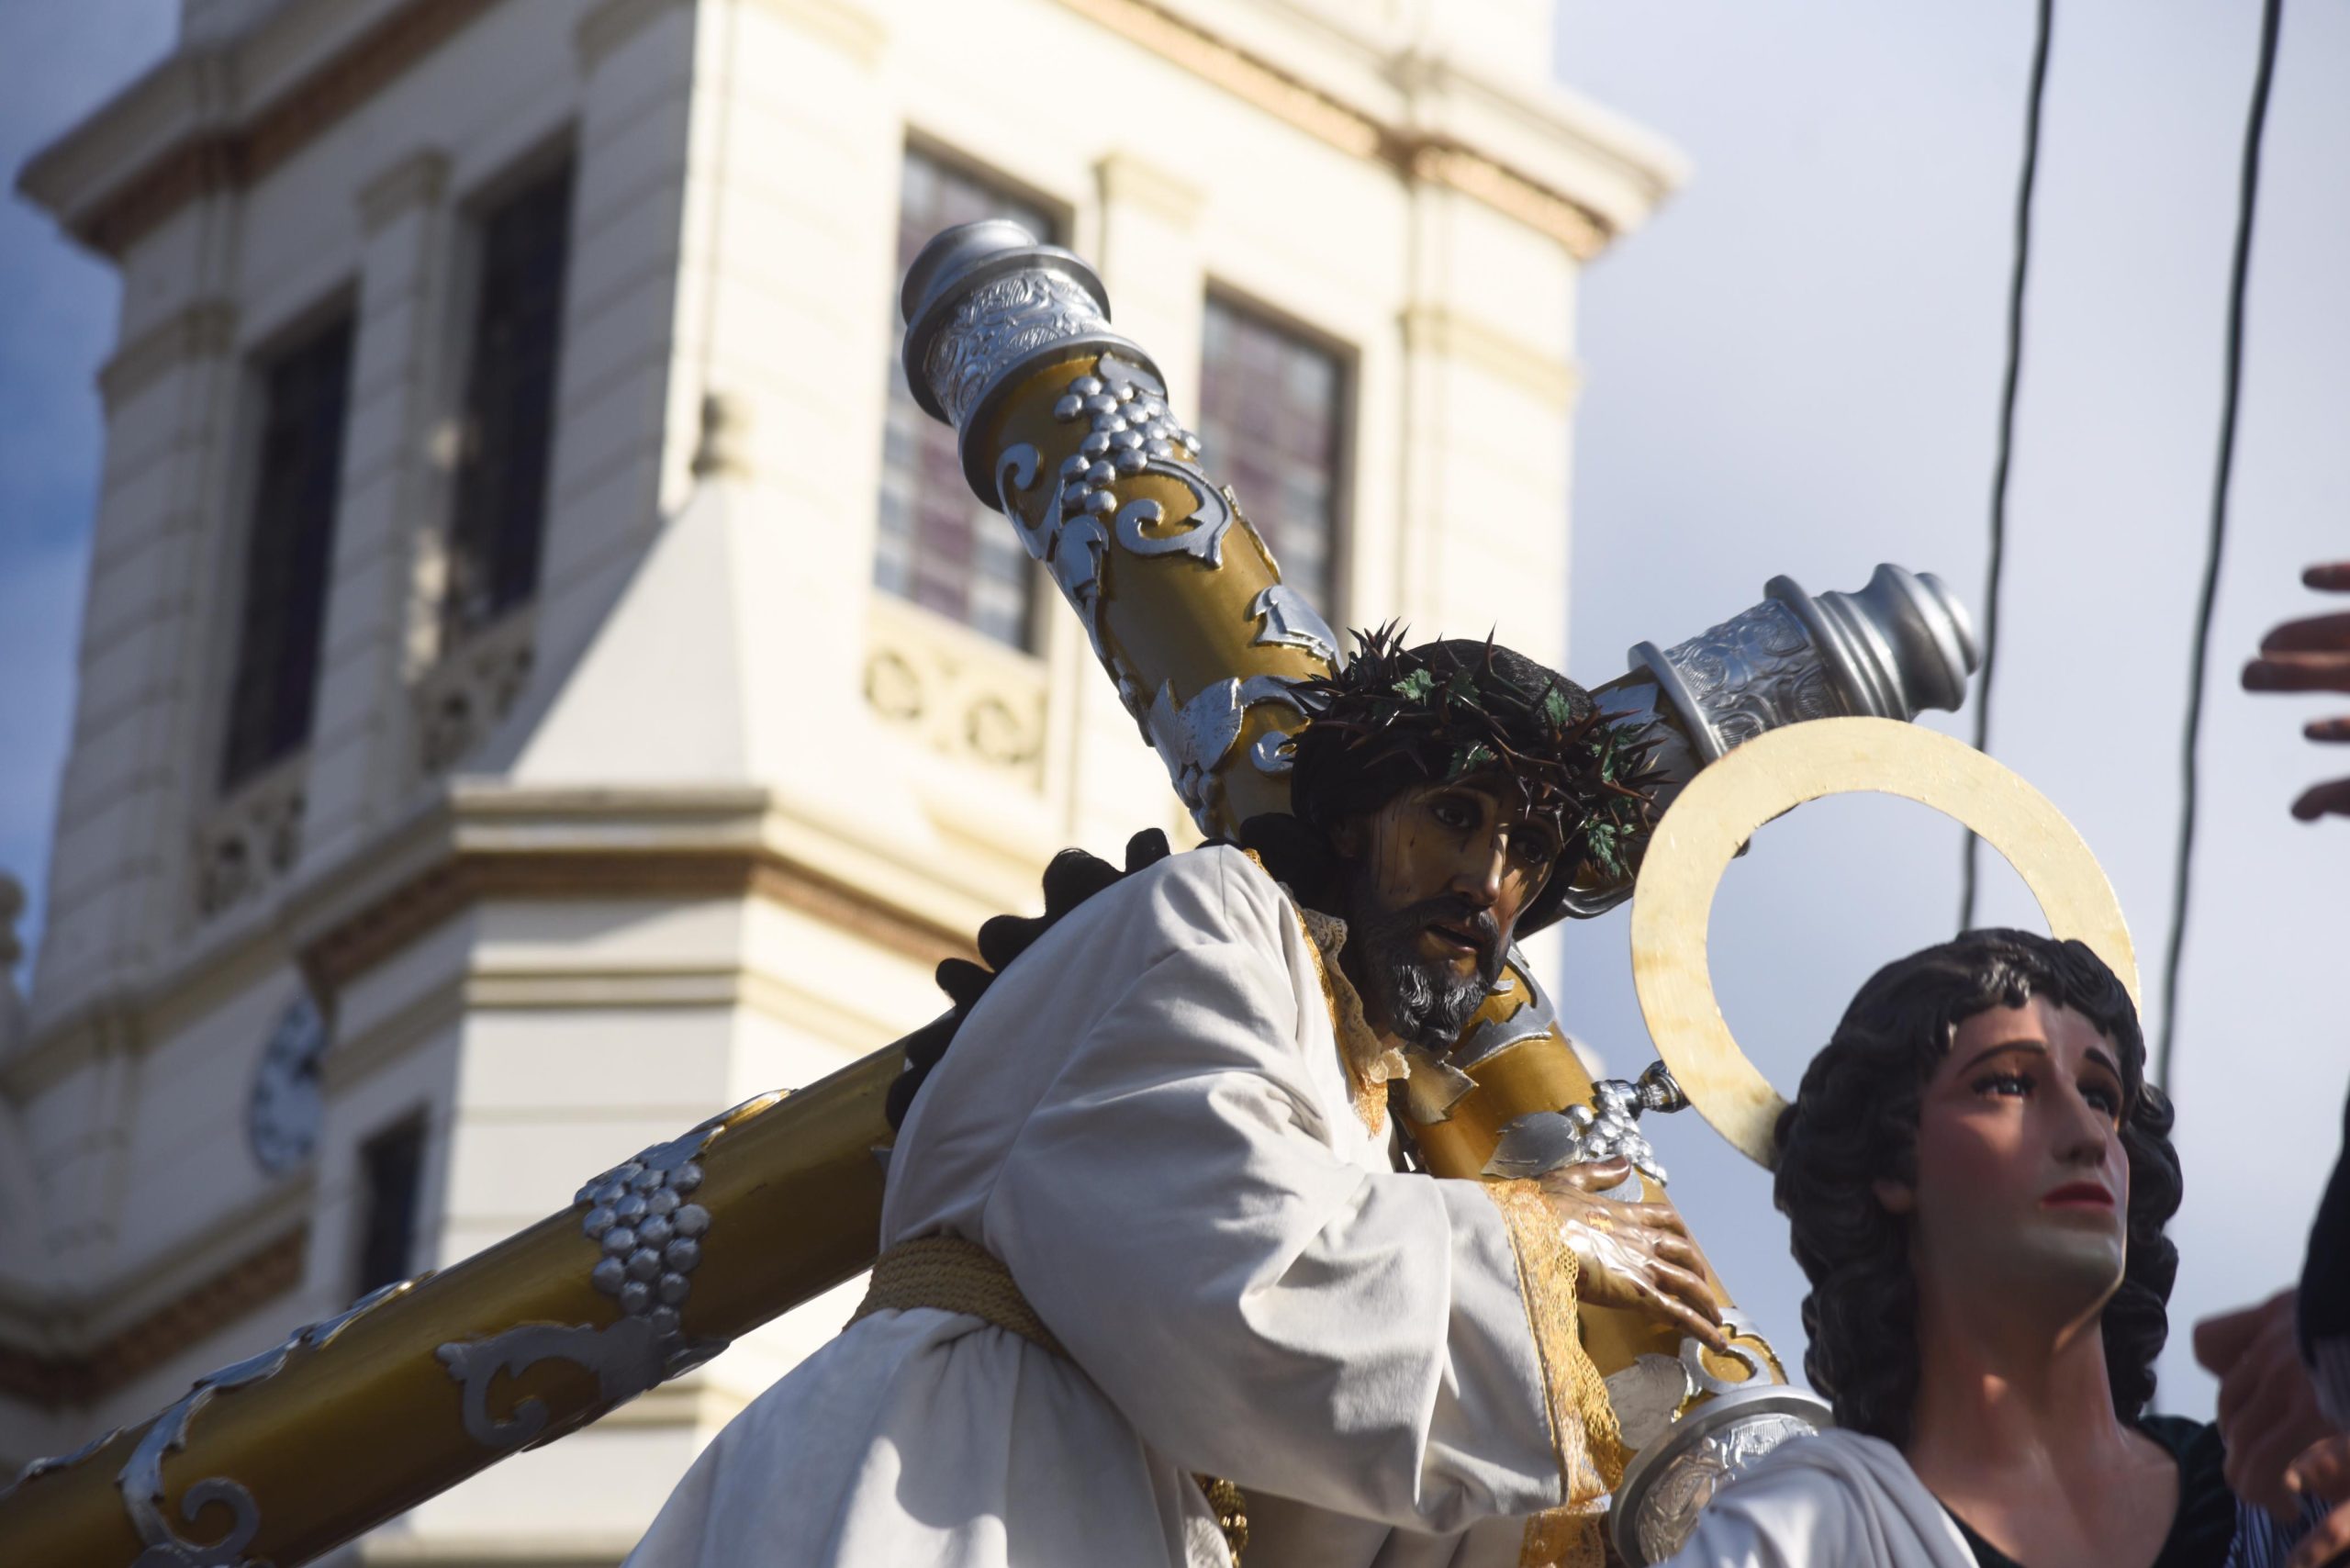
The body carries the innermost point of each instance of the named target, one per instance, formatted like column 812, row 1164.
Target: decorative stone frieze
column 463, row 697
column 251, row 838
column 959, row 693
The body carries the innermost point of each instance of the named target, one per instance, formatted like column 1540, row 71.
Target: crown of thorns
column 1453, row 709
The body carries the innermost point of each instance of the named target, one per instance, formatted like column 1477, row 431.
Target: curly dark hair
column 1854, row 1123
column 1394, row 717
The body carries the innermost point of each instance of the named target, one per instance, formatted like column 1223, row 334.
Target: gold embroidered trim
column 1584, row 1434
column 1230, row 1506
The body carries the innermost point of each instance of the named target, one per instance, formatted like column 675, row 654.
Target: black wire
column 2006, row 433
column 2247, row 193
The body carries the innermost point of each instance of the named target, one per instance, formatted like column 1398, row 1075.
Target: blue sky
column 1794, row 369
column 57, row 308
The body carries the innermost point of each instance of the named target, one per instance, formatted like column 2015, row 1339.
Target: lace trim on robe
column 1583, row 1433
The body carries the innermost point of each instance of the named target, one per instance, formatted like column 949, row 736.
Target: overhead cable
column 2247, row 195
column 1999, row 550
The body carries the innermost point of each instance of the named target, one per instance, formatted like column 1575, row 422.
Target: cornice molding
column 201, row 140
column 477, row 840
column 219, row 144
column 64, row 1379
column 468, row 877
column 1575, row 227
column 1416, row 135
column 488, row 841
column 1246, row 74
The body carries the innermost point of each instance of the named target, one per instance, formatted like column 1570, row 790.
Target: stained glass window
column 937, row 546
column 499, row 518
column 289, row 549
column 1272, row 418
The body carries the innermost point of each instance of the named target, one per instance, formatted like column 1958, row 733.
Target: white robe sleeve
column 1832, row 1500
column 1257, row 1306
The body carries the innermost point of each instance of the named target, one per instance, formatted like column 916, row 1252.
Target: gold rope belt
column 954, row 1276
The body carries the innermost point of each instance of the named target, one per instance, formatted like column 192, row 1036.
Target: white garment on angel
column 1150, row 1119
column 1833, row 1499
column 1837, row 1499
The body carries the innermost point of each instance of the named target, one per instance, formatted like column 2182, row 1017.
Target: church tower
column 543, row 678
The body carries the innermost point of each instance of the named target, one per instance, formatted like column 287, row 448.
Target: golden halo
column 1775, row 772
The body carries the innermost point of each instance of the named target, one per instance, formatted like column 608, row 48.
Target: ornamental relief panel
column 954, row 692
column 462, row 698
column 251, row 839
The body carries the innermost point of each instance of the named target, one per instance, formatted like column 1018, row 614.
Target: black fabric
column 1072, row 878
column 2205, row 1525
column 2325, row 1270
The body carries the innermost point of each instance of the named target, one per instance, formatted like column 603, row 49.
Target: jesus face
column 1436, row 879
column 2022, row 1190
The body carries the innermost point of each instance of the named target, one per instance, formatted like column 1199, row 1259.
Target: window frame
column 336, row 307
column 1037, row 623
column 557, row 156
column 415, row 1122
column 1345, row 411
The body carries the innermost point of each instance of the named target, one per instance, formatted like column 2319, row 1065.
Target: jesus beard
column 1422, row 1001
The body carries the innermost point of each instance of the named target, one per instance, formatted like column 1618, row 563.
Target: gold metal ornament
column 279, row 1459
column 1774, row 773
column 1066, row 427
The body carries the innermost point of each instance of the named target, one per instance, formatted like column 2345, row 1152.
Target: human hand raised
column 2268, row 1410
column 2312, row 654
column 2323, row 1471
column 1632, row 1255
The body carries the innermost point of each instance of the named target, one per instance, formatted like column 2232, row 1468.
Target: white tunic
column 1838, row 1499
column 1835, row 1499
column 1149, row 1120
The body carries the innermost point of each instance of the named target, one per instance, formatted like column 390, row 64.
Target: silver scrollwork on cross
column 1756, row 671
column 1683, row 1485
column 1194, row 737
column 141, row 1479
column 1607, row 1128
column 995, row 325
column 1292, row 622
column 641, row 1216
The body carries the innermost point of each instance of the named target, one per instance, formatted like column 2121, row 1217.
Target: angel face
column 2022, row 1188
column 1436, row 879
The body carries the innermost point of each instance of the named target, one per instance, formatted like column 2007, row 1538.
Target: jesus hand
column 1633, row 1255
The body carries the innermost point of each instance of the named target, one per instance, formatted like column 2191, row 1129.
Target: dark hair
column 1854, row 1123
column 1392, row 718
column 1396, row 717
